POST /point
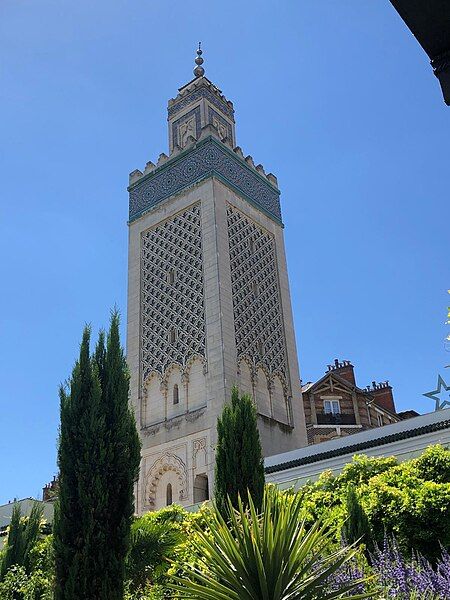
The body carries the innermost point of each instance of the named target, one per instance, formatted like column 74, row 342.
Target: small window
column 169, row 499
column 255, row 289
column 260, row 348
column 251, row 246
column 380, row 420
column 171, row 276
column 173, row 335
column 176, row 394
column 331, row 407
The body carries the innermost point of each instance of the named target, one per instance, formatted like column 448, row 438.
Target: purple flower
column 400, row 578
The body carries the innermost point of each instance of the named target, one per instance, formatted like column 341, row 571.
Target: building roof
column 359, row 442
column 311, row 386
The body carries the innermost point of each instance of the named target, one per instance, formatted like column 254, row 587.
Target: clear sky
column 336, row 98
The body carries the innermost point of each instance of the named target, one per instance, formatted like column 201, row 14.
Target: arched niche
column 153, row 402
column 196, row 383
column 279, row 402
column 245, row 378
column 262, row 396
column 168, row 469
column 175, row 391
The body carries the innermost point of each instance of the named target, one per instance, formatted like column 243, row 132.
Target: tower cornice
column 207, row 158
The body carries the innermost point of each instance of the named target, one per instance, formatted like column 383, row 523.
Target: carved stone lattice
column 172, row 308
column 256, row 295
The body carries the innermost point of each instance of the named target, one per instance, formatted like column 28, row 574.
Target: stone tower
column 208, row 300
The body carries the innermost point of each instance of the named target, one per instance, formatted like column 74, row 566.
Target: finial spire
column 199, row 71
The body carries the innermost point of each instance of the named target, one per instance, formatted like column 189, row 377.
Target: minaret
column 208, row 299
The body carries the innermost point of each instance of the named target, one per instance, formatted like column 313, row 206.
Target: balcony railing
column 335, row 419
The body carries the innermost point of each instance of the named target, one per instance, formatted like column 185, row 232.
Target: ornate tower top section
column 202, row 144
column 198, row 104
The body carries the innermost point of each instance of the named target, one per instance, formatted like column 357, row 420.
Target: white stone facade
column 208, row 308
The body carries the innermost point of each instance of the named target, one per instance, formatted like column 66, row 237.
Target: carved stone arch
column 280, row 399
column 263, row 367
column 195, row 377
column 167, row 462
column 282, row 378
column 262, row 390
column 148, row 379
column 251, row 365
column 168, row 371
column 152, row 407
column 191, row 360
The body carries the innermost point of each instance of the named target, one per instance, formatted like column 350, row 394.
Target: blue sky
column 336, row 98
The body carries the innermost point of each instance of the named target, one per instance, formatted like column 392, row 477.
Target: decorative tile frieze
column 206, row 159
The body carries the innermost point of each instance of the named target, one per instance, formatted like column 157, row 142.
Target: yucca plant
column 266, row 556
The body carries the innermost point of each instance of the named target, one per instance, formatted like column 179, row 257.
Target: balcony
column 335, row 419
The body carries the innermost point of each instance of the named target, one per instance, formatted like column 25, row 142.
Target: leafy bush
column 434, row 465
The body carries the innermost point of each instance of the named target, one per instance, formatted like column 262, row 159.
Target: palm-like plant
column 152, row 546
column 267, row 556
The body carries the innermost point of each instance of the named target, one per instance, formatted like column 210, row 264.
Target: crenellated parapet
column 207, row 157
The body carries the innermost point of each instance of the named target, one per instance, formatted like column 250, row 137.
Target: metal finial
column 199, row 71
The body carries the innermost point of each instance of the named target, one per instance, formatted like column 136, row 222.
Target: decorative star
column 434, row 395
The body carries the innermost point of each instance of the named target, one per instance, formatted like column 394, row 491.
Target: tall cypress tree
column 98, row 459
column 239, row 465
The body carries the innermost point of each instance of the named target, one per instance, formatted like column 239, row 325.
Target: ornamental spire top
column 199, row 71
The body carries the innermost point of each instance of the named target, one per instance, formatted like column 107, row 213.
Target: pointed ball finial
column 199, row 71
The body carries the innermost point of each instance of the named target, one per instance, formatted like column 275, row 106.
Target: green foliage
column 270, row 555
column 153, row 545
column 416, row 511
column 98, row 458
column 239, row 464
column 23, row 535
column 363, row 468
column 36, row 583
column 356, row 527
column 434, row 465
column 409, row 500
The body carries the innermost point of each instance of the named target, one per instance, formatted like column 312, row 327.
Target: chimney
column 382, row 393
column 344, row 369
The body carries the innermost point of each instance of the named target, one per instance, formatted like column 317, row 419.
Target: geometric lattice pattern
column 172, row 311
column 256, row 295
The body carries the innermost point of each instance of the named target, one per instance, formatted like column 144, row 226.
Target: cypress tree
column 356, row 527
column 98, row 460
column 23, row 534
column 239, row 468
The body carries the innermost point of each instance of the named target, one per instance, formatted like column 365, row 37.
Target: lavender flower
column 411, row 579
